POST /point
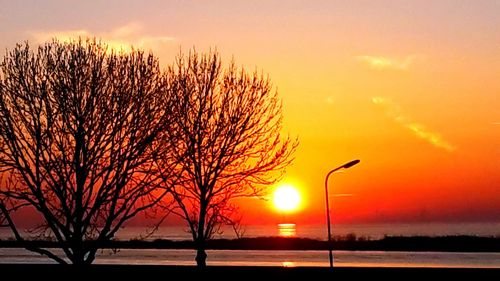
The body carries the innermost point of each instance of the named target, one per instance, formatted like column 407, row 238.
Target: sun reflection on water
column 287, row 230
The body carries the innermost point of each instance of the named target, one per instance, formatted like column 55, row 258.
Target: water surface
column 277, row 258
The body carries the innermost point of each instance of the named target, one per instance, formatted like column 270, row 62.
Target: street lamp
column 345, row 166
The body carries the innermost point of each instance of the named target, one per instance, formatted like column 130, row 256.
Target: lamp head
column 350, row 164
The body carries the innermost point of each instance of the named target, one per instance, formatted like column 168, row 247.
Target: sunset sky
column 411, row 88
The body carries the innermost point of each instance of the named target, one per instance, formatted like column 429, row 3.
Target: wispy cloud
column 122, row 37
column 380, row 63
column 495, row 123
column 343, row 195
column 393, row 111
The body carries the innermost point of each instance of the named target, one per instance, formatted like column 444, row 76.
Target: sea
column 288, row 258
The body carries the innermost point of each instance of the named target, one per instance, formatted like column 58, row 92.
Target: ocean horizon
column 319, row 232
column 312, row 231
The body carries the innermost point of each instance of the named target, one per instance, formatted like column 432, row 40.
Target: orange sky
column 409, row 87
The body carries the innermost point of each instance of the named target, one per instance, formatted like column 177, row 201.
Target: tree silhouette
column 78, row 124
column 227, row 141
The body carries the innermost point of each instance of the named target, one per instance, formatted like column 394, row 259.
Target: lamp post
column 345, row 166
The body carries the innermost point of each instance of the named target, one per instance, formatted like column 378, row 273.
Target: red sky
column 408, row 87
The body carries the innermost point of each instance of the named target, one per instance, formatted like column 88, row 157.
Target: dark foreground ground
column 154, row 272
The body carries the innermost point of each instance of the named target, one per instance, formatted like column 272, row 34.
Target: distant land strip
column 388, row 243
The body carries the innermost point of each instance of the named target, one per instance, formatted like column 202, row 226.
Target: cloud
column 381, row 63
column 343, row 195
column 393, row 111
column 495, row 123
column 120, row 38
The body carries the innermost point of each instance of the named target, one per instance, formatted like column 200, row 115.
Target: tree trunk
column 78, row 258
column 201, row 255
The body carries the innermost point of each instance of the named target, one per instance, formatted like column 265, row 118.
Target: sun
column 286, row 198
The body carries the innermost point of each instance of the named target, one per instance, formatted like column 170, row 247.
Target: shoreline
column 388, row 243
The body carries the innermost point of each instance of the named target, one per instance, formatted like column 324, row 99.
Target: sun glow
column 286, row 198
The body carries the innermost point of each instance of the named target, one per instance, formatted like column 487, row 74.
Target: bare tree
column 78, row 126
column 3, row 219
column 228, row 141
